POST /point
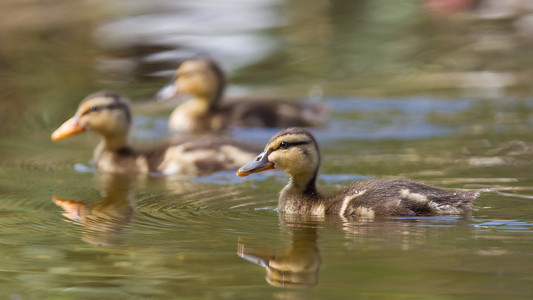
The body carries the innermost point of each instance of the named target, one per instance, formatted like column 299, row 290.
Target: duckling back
column 400, row 197
column 274, row 113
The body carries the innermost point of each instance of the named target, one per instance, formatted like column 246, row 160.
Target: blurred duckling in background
column 108, row 114
column 205, row 81
column 295, row 151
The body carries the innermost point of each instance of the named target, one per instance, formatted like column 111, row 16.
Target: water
column 441, row 99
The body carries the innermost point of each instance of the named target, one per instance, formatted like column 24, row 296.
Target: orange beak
column 256, row 165
column 70, row 127
column 72, row 209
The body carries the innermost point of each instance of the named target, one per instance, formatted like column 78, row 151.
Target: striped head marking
column 202, row 78
column 294, row 151
column 104, row 112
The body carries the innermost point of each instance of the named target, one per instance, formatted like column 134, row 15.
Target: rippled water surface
column 415, row 90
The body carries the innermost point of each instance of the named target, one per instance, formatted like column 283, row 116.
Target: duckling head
column 293, row 151
column 104, row 112
column 202, row 78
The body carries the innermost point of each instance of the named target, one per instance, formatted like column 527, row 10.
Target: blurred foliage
column 374, row 48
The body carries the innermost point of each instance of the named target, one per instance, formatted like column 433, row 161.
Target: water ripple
column 505, row 226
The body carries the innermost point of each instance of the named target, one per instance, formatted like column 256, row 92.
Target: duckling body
column 108, row 114
column 385, row 197
column 204, row 80
column 195, row 116
column 295, row 151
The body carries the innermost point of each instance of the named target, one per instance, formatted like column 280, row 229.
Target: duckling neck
column 300, row 196
column 213, row 97
column 200, row 105
column 113, row 143
column 304, row 185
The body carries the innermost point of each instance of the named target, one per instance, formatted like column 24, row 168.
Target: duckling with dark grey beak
column 295, row 151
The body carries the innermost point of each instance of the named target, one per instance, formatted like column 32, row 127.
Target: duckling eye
column 283, row 145
column 286, row 145
column 91, row 109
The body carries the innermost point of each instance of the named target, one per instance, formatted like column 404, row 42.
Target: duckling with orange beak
column 108, row 114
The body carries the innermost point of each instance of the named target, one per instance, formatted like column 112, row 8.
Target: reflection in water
column 296, row 267
column 299, row 264
column 106, row 219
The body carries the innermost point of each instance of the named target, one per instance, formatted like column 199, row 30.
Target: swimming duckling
column 108, row 114
column 205, row 81
column 295, row 151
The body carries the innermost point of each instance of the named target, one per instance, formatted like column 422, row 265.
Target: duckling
column 205, row 81
column 295, row 151
column 108, row 114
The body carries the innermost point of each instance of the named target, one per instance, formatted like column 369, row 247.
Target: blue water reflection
column 505, row 226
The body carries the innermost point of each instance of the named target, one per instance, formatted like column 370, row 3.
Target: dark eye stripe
column 187, row 73
column 285, row 145
column 102, row 107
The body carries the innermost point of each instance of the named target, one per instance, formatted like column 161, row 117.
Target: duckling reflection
column 106, row 219
column 299, row 265
column 296, row 267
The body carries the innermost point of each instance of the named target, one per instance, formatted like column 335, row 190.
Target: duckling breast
column 122, row 161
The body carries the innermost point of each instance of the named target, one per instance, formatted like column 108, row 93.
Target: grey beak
column 259, row 164
column 167, row 92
